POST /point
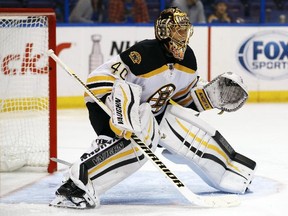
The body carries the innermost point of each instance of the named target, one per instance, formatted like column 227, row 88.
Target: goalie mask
column 174, row 29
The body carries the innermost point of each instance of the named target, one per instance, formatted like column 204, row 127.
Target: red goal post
column 28, row 110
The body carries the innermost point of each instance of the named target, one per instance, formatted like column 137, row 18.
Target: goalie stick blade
column 210, row 201
column 206, row 201
column 219, row 201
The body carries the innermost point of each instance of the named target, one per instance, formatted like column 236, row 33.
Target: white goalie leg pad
column 109, row 163
column 125, row 105
column 205, row 150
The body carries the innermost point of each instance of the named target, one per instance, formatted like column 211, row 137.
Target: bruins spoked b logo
column 160, row 97
column 135, row 57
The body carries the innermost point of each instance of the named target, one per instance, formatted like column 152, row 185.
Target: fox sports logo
column 265, row 55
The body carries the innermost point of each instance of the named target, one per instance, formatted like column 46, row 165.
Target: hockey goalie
column 154, row 91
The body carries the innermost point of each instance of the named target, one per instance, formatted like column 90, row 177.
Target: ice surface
column 257, row 131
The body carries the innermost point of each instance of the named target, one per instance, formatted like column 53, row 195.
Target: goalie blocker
column 205, row 150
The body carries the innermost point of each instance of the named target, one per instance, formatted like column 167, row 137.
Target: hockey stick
column 57, row 160
column 203, row 201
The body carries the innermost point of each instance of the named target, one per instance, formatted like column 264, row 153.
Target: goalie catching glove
column 226, row 92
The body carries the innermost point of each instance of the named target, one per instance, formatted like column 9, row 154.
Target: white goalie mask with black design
column 174, row 29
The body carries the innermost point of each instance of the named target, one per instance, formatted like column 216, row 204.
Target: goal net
column 27, row 89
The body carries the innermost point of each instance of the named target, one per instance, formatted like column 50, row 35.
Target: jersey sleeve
column 101, row 80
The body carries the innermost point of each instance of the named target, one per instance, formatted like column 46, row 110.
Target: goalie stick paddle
column 203, row 201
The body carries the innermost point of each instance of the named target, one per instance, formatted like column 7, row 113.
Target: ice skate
column 71, row 196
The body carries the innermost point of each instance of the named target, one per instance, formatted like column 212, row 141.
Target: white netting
column 24, row 88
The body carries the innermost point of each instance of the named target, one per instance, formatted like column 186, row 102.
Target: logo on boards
column 265, row 55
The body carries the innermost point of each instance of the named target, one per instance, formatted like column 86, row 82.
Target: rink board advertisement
column 258, row 54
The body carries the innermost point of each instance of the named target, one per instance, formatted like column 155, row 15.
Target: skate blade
column 63, row 202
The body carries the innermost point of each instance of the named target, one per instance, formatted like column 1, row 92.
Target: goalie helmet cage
column 28, row 122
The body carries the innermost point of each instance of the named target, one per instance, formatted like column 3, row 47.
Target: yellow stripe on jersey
column 184, row 69
column 98, row 92
column 184, row 91
column 165, row 67
column 111, row 159
column 184, row 97
column 98, row 85
column 154, row 72
column 100, row 78
column 207, row 145
column 186, row 101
